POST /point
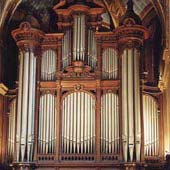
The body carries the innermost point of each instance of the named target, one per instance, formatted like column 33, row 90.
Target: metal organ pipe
column 47, row 130
column 11, row 128
column 26, row 104
column 79, row 37
column 92, row 50
column 48, row 65
column 78, row 135
column 19, row 107
column 110, row 64
column 109, row 124
column 137, row 105
column 66, row 49
column 131, row 104
column 151, row 135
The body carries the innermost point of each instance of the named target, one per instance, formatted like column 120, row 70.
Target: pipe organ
column 109, row 64
column 47, row 124
column 110, row 140
column 92, row 50
column 26, row 106
column 11, row 129
column 66, row 49
column 78, row 123
column 151, row 127
column 79, row 37
column 80, row 93
column 48, row 65
column 131, row 108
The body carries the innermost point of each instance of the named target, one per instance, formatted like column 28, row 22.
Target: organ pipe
column 109, row 64
column 79, row 37
column 151, row 135
column 131, row 133
column 11, row 128
column 78, row 135
column 92, row 49
column 26, row 104
column 47, row 128
column 48, row 65
column 109, row 124
column 66, row 49
column 130, row 103
column 137, row 105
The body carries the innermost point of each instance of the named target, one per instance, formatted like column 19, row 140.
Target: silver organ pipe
column 79, row 37
column 109, row 64
column 92, row 49
column 137, row 105
column 19, row 107
column 11, row 128
column 109, row 124
column 151, row 135
column 26, row 106
column 78, row 135
column 131, row 104
column 47, row 130
column 48, row 65
column 66, row 49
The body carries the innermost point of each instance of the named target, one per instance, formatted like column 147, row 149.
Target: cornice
column 3, row 89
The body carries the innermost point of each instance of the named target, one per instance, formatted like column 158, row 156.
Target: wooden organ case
column 80, row 103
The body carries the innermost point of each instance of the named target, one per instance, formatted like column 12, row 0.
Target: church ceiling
column 41, row 9
column 139, row 5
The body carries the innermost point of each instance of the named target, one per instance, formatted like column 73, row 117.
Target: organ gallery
column 87, row 91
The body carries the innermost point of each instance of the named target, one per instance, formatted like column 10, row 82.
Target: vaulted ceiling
column 40, row 8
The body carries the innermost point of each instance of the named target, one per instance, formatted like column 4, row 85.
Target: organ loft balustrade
column 80, row 99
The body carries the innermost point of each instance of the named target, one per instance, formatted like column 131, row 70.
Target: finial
column 130, row 5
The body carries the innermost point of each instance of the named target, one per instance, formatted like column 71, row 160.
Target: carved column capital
column 26, row 37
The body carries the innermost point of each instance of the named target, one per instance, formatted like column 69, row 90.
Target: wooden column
column 58, row 121
column 37, row 94
column 98, row 121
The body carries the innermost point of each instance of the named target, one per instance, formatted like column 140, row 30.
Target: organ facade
column 81, row 100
